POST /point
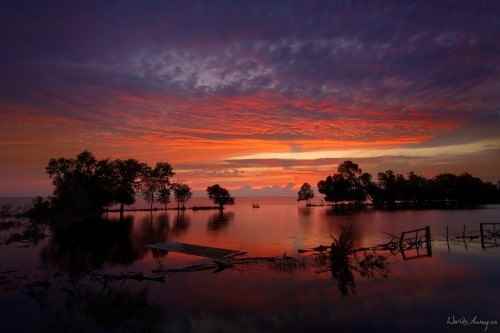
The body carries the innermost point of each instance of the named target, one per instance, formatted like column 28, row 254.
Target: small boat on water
column 255, row 205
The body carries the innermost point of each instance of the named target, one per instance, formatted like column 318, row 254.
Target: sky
column 258, row 96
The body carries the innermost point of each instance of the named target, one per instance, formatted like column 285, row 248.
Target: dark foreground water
column 55, row 285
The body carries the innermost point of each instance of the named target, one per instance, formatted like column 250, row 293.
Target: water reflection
column 304, row 211
column 305, row 218
column 181, row 224
column 285, row 287
column 219, row 221
column 343, row 260
column 89, row 245
column 91, row 303
column 152, row 230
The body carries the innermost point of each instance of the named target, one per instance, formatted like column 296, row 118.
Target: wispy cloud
column 450, row 150
column 219, row 85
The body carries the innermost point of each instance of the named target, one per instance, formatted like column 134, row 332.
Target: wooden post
column 401, row 243
column 465, row 241
column 447, row 238
column 428, row 237
column 481, row 232
column 495, row 234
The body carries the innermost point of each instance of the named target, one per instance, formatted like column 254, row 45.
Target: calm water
column 50, row 290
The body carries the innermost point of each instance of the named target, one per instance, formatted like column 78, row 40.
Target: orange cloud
column 205, row 130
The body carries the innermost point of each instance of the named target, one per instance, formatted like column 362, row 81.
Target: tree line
column 87, row 186
column 351, row 184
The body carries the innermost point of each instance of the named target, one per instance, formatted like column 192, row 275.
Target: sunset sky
column 258, row 96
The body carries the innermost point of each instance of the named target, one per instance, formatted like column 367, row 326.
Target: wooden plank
column 196, row 250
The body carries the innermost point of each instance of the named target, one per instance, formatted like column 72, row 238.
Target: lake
column 56, row 284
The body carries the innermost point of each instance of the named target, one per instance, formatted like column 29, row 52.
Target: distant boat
column 255, row 205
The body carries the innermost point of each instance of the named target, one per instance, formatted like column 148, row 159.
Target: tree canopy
column 345, row 185
column 305, row 193
column 220, row 196
column 182, row 194
column 164, row 196
column 127, row 175
column 85, row 186
column 155, row 183
column 351, row 184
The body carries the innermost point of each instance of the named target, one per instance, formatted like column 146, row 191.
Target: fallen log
column 128, row 276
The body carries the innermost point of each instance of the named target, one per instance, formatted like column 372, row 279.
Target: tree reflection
column 85, row 246
column 87, row 304
column 343, row 261
column 219, row 221
column 304, row 211
column 152, row 230
column 181, row 224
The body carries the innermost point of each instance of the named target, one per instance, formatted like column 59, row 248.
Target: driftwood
column 407, row 241
column 197, row 250
column 186, row 269
column 127, row 276
column 221, row 259
column 284, row 263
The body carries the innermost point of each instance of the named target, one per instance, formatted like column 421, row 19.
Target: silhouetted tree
column 40, row 210
column 127, row 175
column 164, row 196
column 497, row 195
column 182, row 194
column 417, row 189
column 6, row 211
column 368, row 185
column 305, row 192
column 220, row 196
column 350, row 184
column 345, row 185
column 83, row 185
column 464, row 189
column 461, row 190
column 349, row 170
column 154, row 181
column 354, row 176
column 334, row 188
column 389, row 186
column 149, row 186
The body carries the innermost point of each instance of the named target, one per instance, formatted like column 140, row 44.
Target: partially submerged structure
column 197, row 250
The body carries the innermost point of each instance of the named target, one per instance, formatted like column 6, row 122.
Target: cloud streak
column 210, row 84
